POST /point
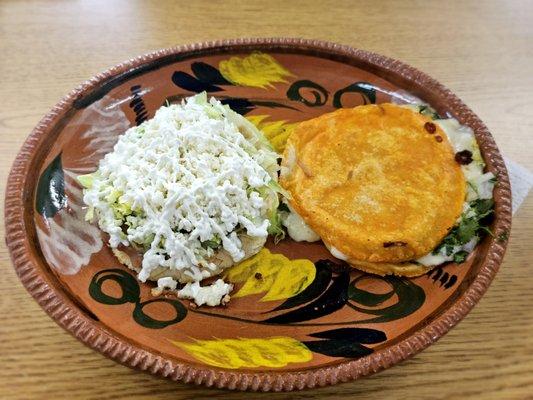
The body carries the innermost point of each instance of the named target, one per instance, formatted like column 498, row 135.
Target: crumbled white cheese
column 166, row 283
column 183, row 178
column 212, row 295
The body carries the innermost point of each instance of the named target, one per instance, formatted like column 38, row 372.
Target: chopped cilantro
column 449, row 249
column 213, row 243
column 460, row 257
column 474, row 225
column 283, row 207
column 482, row 207
column 467, row 229
column 428, row 111
column 503, row 237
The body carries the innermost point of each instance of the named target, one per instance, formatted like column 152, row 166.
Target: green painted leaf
column 365, row 89
column 333, row 299
column 128, row 284
column 147, row 321
column 208, row 74
column 359, row 335
column 410, row 297
column 130, row 293
column 319, row 93
column 367, row 298
column 338, row 348
column 51, row 196
column 190, row 83
column 319, row 284
column 345, row 342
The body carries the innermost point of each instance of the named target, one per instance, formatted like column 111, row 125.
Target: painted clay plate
column 300, row 318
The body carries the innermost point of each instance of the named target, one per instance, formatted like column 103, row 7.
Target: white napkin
column 521, row 182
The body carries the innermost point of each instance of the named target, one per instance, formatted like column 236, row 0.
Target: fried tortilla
column 377, row 182
column 407, row 269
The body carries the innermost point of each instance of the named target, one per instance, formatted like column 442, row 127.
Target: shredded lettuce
column 89, row 216
column 270, row 195
column 86, row 180
column 275, row 186
column 214, row 243
column 276, row 228
column 211, row 111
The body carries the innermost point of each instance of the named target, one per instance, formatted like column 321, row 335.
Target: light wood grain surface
column 482, row 50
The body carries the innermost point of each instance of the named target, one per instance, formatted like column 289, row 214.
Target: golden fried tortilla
column 407, row 269
column 377, row 182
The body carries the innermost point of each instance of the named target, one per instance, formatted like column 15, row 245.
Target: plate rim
column 70, row 316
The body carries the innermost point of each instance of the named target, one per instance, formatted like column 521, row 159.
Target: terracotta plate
column 311, row 323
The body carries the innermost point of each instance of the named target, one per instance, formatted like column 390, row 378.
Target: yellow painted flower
column 277, row 132
column 273, row 352
column 256, row 70
column 274, row 274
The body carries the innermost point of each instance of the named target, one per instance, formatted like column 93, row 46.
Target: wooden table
column 482, row 50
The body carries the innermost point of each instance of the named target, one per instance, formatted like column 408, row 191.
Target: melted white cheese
column 479, row 184
column 441, row 257
column 297, row 229
column 337, row 253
